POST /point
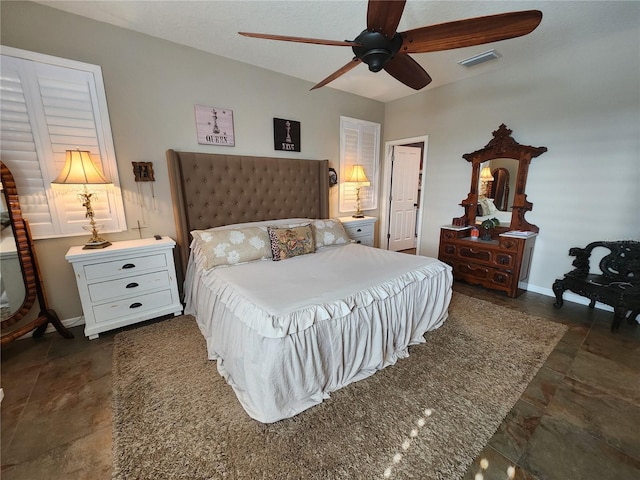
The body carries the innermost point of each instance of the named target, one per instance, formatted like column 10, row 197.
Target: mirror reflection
column 495, row 189
column 12, row 291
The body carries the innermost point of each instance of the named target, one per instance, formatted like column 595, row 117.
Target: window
column 359, row 145
column 50, row 105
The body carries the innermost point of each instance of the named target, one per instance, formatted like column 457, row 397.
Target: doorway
column 401, row 207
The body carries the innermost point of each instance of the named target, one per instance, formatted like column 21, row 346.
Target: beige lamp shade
column 358, row 176
column 485, row 174
column 79, row 169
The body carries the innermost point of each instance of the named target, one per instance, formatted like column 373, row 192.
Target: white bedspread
column 286, row 334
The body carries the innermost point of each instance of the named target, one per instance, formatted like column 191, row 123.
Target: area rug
column 426, row 417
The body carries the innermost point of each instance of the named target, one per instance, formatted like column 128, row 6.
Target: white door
column 405, row 172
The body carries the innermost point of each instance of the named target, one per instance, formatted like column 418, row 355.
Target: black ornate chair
column 617, row 284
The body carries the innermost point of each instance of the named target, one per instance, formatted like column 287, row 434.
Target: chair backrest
column 622, row 264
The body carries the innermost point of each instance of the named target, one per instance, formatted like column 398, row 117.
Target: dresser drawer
column 125, row 266
column 135, row 305
column 132, row 285
column 475, row 253
column 448, row 250
column 504, row 260
column 475, row 273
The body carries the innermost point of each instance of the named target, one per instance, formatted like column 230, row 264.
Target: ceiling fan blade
column 317, row 41
column 352, row 64
column 405, row 69
column 473, row 31
column 384, row 16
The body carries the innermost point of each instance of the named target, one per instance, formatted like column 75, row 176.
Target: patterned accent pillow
column 330, row 232
column 233, row 246
column 291, row 242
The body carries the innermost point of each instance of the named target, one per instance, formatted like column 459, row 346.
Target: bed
column 487, row 210
column 285, row 334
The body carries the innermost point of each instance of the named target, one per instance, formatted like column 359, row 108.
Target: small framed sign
column 286, row 135
column 214, row 126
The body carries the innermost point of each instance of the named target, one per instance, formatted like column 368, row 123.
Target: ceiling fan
column 381, row 47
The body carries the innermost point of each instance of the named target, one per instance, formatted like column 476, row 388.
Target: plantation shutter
column 359, row 144
column 46, row 110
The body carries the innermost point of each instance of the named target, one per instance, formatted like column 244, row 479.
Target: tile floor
column 578, row 419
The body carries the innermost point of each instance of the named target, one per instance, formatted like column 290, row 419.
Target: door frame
column 386, row 189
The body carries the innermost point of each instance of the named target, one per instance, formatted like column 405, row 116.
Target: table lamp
column 359, row 179
column 485, row 177
column 79, row 169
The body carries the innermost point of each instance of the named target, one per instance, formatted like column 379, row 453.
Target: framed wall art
column 286, row 135
column 214, row 126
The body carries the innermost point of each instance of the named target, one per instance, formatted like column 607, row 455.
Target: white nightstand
column 125, row 283
column 360, row 229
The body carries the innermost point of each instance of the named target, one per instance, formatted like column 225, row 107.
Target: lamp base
column 96, row 245
column 358, row 215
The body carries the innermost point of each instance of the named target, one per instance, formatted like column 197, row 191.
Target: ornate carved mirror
column 20, row 282
column 498, row 191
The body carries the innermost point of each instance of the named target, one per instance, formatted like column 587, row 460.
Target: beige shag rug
column 427, row 417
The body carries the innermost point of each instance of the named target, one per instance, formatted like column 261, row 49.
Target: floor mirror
column 21, row 287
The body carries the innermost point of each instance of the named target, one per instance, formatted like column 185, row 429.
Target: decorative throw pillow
column 487, row 205
column 291, row 242
column 330, row 232
column 233, row 246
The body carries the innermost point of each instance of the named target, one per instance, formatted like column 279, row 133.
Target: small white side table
column 125, row 283
column 360, row 229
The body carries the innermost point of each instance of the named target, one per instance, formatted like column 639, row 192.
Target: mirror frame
column 33, row 286
column 502, row 146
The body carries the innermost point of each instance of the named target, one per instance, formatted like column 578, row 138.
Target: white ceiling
column 212, row 26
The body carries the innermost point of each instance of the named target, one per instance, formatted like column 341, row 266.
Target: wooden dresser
column 500, row 264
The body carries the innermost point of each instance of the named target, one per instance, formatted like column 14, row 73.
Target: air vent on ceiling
column 480, row 58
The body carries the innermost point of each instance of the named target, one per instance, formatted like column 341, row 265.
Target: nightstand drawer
column 129, row 285
column 124, row 266
column 363, row 240
column 136, row 305
column 359, row 230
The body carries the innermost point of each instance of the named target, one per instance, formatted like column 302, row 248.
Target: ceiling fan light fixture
column 376, row 58
column 480, row 58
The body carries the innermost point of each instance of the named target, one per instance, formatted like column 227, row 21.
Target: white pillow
column 232, row 246
column 329, row 232
column 488, row 207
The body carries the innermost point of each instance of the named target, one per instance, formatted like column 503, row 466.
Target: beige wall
column 152, row 86
column 580, row 100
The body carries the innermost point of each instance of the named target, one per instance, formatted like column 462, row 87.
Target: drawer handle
column 132, row 285
column 135, row 305
column 359, row 230
column 358, row 241
column 129, row 265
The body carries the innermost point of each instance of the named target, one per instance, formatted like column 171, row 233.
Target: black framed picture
column 286, row 135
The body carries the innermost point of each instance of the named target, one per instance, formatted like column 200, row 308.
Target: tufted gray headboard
column 210, row 190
